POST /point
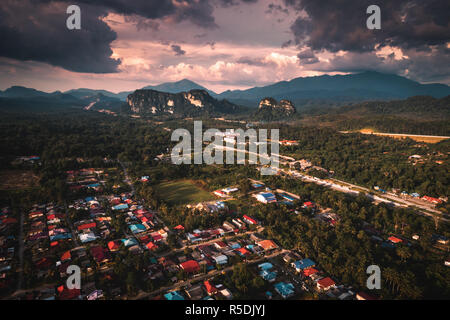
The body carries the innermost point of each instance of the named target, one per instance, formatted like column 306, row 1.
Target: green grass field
column 182, row 192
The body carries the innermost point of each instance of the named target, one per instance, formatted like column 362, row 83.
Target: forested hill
column 419, row 106
column 415, row 115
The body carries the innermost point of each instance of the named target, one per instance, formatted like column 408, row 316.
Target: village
column 91, row 232
column 104, row 227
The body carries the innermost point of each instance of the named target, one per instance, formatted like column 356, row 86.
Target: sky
column 124, row 45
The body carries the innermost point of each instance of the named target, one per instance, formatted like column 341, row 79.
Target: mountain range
column 303, row 91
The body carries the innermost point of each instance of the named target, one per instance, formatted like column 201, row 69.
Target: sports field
column 182, row 192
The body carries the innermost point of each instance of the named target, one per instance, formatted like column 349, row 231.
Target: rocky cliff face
column 269, row 107
column 191, row 103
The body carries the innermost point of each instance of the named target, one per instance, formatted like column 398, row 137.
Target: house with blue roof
column 286, row 290
column 265, row 266
column 303, row 264
column 123, row 206
column 129, row 242
column 268, row 275
column 266, row 197
column 174, row 295
column 234, row 245
column 286, row 196
column 137, row 228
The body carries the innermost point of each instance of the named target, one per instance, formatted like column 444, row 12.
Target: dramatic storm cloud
column 339, row 25
column 30, row 30
column 221, row 44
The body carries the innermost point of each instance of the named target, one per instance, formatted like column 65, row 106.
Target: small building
column 174, row 295
column 210, row 289
column 395, row 240
column 325, row 284
column 266, row 197
column 303, row 264
column 190, row 266
column 220, row 259
column 249, row 220
column 286, row 290
column 267, row 245
column 309, row 272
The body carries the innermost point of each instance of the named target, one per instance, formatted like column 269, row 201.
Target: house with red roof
column 395, row 240
column 325, row 284
column 243, row 252
column 210, row 289
column 190, row 266
column 113, row 246
column 309, row 205
column 66, row 256
column 309, row 272
column 179, row 227
column 220, row 245
column 151, row 246
column 432, row 200
column 249, row 220
column 86, row 226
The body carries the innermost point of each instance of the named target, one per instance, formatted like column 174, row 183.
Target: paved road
column 127, row 178
column 69, row 223
column 21, row 249
column 348, row 188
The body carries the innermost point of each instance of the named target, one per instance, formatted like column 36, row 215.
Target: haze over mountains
column 338, row 89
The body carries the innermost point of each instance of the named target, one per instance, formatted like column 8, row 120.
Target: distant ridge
column 368, row 85
column 184, row 85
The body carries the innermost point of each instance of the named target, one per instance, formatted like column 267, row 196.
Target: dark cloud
column 276, row 8
column 177, row 49
column 36, row 29
column 142, row 23
column 211, row 44
column 361, row 61
column 259, row 62
column 229, row 3
column 341, row 25
column 287, row 44
column 30, row 30
column 250, row 61
column 307, row 56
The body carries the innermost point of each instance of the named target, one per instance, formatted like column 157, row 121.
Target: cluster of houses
column 416, row 195
column 235, row 226
column 47, row 235
column 205, row 290
column 8, row 243
column 312, row 278
column 85, row 179
column 95, row 225
column 207, row 257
